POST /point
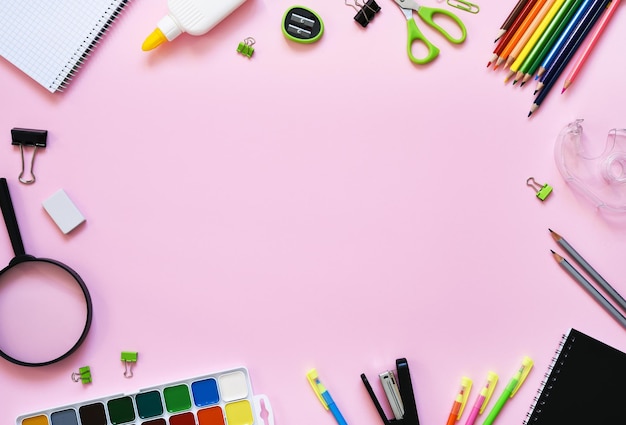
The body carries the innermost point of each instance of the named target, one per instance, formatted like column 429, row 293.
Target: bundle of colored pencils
column 539, row 38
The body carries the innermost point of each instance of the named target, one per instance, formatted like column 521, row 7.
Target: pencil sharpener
column 302, row 25
column 595, row 172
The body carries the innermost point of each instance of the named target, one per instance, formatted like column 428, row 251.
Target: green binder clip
column 128, row 358
column 543, row 191
column 83, row 375
column 245, row 47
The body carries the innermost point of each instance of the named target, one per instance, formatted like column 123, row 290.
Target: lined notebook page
column 50, row 39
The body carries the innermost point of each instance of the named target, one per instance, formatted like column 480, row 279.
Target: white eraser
column 63, row 211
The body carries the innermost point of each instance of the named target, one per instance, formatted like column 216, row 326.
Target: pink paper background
column 328, row 205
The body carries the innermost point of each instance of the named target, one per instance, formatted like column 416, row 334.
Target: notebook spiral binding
column 549, row 379
column 79, row 58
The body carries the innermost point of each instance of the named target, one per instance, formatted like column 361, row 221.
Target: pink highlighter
column 483, row 398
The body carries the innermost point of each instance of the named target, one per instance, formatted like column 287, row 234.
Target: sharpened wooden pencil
column 534, row 24
column 511, row 31
column 516, row 66
column 586, row 285
column 511, row 18
column 565, row 36
column 519, row 32
column 569, row 49
column 548, row 39
column 593, row 39
column 589, row 269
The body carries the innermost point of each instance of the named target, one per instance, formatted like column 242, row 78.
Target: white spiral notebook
column 49, row 40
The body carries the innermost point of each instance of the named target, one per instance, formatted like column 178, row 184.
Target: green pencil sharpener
column 302, row 25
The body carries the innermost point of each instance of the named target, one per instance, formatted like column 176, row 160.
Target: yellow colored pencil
column 547, row 19
column 529, row 32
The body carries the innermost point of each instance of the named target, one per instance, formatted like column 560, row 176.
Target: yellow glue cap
column 154, row 40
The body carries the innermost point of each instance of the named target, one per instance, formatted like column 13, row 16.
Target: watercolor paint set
column 223, row 398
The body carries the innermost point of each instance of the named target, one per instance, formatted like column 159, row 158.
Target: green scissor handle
column 415, row 35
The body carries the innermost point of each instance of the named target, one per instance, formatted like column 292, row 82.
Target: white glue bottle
column 195, row 17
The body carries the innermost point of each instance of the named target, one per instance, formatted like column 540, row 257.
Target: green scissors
column 415, row 35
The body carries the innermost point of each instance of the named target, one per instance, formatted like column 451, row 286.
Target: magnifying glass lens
column 42, row 311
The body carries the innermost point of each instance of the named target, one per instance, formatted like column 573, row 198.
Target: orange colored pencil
column 597, row 31
column 520, row 32
column 528, row 33
column 511, row 31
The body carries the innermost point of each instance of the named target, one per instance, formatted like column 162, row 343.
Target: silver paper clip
column 464, row 5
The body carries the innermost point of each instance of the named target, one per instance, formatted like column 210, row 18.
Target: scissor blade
column 407, row 6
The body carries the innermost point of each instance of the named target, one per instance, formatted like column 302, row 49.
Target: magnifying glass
column 45, row 307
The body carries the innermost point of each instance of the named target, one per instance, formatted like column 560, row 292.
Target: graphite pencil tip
column 555, row 235
column 557, row 257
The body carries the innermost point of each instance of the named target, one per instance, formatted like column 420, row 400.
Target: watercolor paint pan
column 223, row 398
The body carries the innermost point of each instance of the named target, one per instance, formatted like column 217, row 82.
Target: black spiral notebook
column 586, row 384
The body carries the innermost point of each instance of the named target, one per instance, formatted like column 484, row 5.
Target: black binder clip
column 399, row 394
column 366, row 12
column 27, row 137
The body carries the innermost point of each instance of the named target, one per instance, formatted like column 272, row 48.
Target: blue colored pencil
column 570, row 50
column 579, row 34
column 553, row 32
column 565, row 35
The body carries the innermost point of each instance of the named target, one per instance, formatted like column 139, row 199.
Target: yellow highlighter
column 510, row 390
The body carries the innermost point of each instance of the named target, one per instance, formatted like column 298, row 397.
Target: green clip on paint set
column 223, row 398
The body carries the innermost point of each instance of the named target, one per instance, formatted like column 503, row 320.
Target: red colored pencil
column 512, row 29
column 519, row 33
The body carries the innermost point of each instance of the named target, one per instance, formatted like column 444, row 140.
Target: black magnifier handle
column 10, row 220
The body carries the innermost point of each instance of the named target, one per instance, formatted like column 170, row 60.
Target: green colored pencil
column 547, row 39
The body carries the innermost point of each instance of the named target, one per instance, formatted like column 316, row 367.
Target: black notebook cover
column 586, row 384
